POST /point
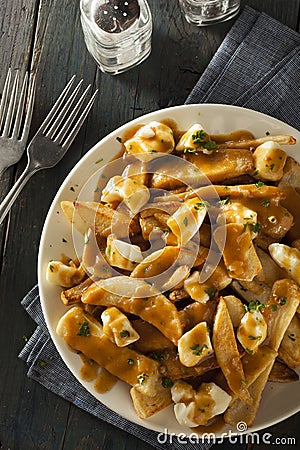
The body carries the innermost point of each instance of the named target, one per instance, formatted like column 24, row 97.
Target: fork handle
column 10, row 198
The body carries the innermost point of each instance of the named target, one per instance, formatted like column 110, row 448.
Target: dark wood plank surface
column 46, row 35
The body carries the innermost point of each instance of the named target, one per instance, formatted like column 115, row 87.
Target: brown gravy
column 104, row 382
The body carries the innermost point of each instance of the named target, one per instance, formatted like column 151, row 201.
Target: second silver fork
column 53, row 138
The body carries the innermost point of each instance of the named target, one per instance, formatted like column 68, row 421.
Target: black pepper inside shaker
column 115, row 16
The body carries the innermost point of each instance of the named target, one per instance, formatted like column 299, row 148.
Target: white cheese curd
column 118, row 327
column 184, row 414
column 186, row 140
column 60, row 274
column 194, row 345
column 122, row 254
column 196, row 407
column 287, row 258
column 252, row 331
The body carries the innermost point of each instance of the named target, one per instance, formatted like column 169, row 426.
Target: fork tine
column 4, row 97
column 30, row 104
column 64, row 111
column 71, row 117
column 56, row 106
column 79, row 122
column 20, row 108
column 11, row 105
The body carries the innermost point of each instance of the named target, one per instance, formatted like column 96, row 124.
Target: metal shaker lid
column 115, row 16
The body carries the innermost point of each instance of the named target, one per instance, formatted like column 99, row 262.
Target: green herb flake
column 142, row 377
column 265, row 203
column 25, row 338
column 248, row 350
column 211, row 292
column 84, row 329
column 197, row 350
column 99, row 161
column 225, row 201
column 254, row 338
column 255, row 173
column 124, row 333
column 282, row 300
column 185, row 221
column 254, row 306
column 130, row 361
column 42, row 363
column 167, row 382
column 273, row 308
column 259, row 184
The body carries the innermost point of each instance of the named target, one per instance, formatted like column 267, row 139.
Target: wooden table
column 47, row 36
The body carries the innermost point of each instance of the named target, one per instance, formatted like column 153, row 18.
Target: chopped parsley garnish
column 130, row 361
column 248, row 350
column 99, row 161
column 211, row 292
column 201, row 205
column 201, row 138
column 167, row 382
column 142, row 377
column 265, row 203
column 255, row 173
column 42, row 363
column 282, row 300
column 259, row 184
column 254, row 306
column 124, row 333
column 225, row 201
column 84, row 329
column 197, row 350
column 273, row 308
column 254, row 338
column 185, row 221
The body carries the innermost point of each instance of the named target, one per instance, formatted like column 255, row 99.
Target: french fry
column 280, row 139
column 289, row 350
column 281, row 373
column 84, row 333
column 240, row 410
column 145, row 405
column 279, row 310
column 227, row 354
column 239, row 254
column 144, row 301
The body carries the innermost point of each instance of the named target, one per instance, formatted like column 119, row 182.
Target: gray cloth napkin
column 256, row 66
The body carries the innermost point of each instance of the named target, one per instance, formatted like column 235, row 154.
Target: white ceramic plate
column 279, row 400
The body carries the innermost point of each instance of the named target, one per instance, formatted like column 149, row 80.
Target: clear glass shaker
column 117, row 33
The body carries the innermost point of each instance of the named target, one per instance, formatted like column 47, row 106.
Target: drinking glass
column 208, row 12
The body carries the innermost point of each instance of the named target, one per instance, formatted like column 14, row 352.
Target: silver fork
column 52, row 139
column 15, row 114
